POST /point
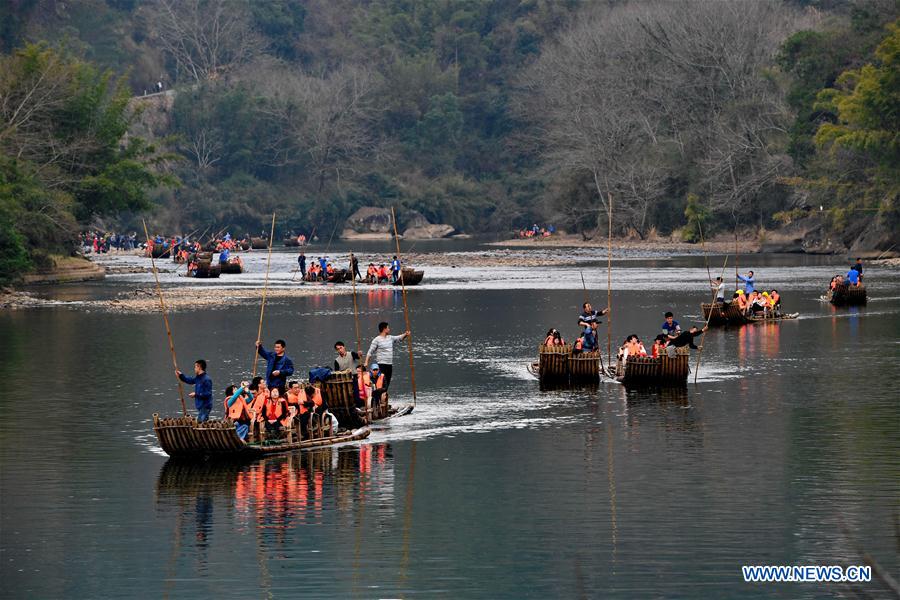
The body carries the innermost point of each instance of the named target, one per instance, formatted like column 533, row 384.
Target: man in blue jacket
column 749, row 282
column 278, row 366
column 202, row 393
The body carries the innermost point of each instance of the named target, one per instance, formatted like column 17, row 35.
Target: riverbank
column 715, row 246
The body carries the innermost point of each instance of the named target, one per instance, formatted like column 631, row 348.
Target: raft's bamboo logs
column 554, row 361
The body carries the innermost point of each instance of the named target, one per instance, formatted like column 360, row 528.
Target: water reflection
column 271, row 498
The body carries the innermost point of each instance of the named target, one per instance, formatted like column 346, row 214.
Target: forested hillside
column 484, row 115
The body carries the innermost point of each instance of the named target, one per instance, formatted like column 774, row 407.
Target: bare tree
column 205, row 38
column 642, row 94
column 321, row 123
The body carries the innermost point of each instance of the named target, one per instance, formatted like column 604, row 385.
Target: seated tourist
column 741, row 299
column 590, row 343
column 274, row 411
column 378, row 387
column 371, row 274
column 775, row 301
column 237, row 408
column 554, row 338
column 659, row 346
column 383, row 275
column 758, row 303
column 363, row 387
column 852, row 278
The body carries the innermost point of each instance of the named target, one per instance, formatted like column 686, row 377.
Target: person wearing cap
column 719, row 286
column 382, row 350
column 203, row 389
column 749, row 282
column 379, row 385
column 741, row 300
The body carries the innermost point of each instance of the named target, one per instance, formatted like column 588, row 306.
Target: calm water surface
column 786, row 451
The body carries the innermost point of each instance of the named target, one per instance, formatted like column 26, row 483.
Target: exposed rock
column 67, row 270
column 428, row 232
column 408, row 219
column 370, row 219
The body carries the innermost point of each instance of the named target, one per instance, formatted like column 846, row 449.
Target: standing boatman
column 278, row 366
column 382, row 348
column 719, row 286
column 749, row 282
column 301, row 261
column 395, row 270
column 202, row 393
column 354, row 267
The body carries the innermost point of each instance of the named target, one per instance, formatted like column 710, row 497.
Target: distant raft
column 844, row 295
column 234, row 266
column 258, row 243
column 731, row 314
column 410, row 276
column 661, row 371
column 205, row 270
column 558, row 364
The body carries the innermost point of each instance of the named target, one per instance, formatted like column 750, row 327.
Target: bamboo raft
column 206, row 270
column 233, row 268
column 410, row 276
column 258, row 243
column 185, row 437
column 844, row 295
column 558, row 364
column 731, row 314
column 656, row 371
column 291, row 242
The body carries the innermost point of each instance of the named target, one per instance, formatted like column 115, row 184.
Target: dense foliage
column 484, row 115
column 64, row 155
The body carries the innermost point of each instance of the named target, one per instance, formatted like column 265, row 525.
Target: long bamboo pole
column 409, row 345
column 609, row 285
column 162, row 307
column 262, row 308
column 708, row 317
column 356, row 312
column 705, row 255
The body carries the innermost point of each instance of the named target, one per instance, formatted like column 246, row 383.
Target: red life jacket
column 274, row 409
column 579, row 343
column 362, row 385
column 548, row 341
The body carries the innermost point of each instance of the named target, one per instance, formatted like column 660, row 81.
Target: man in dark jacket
column 278, row 366
column 202, row 393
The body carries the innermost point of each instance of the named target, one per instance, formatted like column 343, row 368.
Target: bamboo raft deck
column 844, row 295
column 731, row 314
column 185, row 437
column 656, row 371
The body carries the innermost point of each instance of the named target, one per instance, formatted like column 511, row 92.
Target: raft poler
column 589, row 315
column 203, row 386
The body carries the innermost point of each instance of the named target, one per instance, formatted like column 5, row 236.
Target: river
column 786, row 451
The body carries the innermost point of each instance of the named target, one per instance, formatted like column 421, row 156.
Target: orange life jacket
column 579, row 343
column 548, row 341
column 362, row 385
column 317, row 397
column 259, row 402
column 775, row 297
column 239, row 411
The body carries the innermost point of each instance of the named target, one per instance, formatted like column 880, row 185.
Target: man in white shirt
column 382, row 350
column 719, row 286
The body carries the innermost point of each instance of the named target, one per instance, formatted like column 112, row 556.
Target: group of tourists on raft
column 536, row 232
column 277, row 402
column 853, row 278
column 750, row 301
column 671, row 338
column 323, row 270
